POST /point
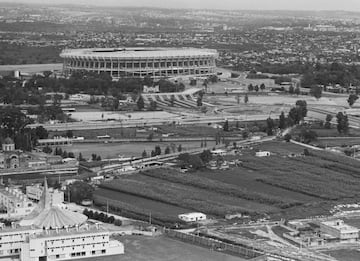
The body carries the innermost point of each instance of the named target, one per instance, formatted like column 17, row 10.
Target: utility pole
column 107, row 206
column 150, row 218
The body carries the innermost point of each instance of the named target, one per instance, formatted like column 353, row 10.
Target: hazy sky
column 351, row 5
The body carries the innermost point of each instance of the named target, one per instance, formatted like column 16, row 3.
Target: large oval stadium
column 142, row 62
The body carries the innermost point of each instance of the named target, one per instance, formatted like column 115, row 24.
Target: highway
column 354, row 122
column 189, row 120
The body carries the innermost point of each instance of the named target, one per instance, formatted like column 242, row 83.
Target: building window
column 57, row 256
column 103, row 251
column 93, row 252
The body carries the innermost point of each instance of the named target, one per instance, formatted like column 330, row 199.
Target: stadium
column 142, row 62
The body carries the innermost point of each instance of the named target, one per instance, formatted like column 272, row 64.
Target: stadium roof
column 46, row 215
column 132, row 53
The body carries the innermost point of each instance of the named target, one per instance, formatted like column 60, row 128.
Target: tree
column 172, row 100
column 140, row 103
column 270, row 126
column 250, row 87
column 301, row 105
column 80, row 157
column 297, row 90
column 41, row 132
column 256, row 88
column 193, row 161
column 342, row 123
column 262, row 87
column 199, row 101
column 179, row 149
column 291, row 89
column 206, row 156
column 167, row 150
column 226, row 126
column 69, row 134
column 79, row 191
column 144, row 154
column 328, row 120
column 117, row 222
column 153, row 106
column 157, row 150
column 316, row 91
column 282, row 121
column 246, row 99
column 308, row 135
column 47, row 150
column 352, row 99
column 294, row 117
column 287, row 137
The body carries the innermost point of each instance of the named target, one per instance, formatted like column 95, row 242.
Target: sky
column 348, row 5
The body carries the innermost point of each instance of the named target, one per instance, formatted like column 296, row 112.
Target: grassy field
column 112, row 150
column 282, row 186
column 138, row 248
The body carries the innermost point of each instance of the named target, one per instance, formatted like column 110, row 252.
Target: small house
column 192, row 217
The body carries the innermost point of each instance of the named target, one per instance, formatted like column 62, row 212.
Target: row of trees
column 102, row 217
column 157, row 151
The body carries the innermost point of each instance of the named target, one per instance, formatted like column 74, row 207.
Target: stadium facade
column 142, row 62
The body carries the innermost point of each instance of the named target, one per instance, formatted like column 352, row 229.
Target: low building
column 262, row 154
column 218, row 152
column 339, row 230
column 14, row 203
column 151, row 89
column 192, row 217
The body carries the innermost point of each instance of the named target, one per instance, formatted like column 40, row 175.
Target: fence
column 214, row 244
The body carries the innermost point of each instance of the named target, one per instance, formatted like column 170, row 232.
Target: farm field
column 282, row 186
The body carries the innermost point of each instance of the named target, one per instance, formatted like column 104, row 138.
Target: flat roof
column 133, row 53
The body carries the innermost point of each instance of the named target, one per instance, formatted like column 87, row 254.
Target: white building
column 262, row 154
column 339, row 230
column 69, row 244
column 52, row 233
column 34, row 193
column 15, row 203
column 192, row 217
column 218, row 152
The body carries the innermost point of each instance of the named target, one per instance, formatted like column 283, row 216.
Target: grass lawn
column 113, row 150
column 138, row 248
column 345, row 254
